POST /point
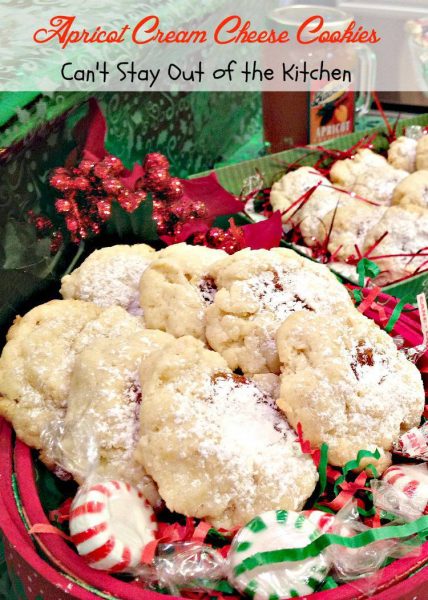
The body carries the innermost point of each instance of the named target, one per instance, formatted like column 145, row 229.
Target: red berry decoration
column 161, row 225
column 215, row 236
column 42, row 224
column 230, row 246
column 87, row 193
column 156, row 181
column 155, row 160
column 60, row 182
column 95, row 228
column 112, row 185
column 228, row 240
column 72, row 224
column 182, row 212
column 63, row 206
column 113, row 164
column 86, row 167
column 178, row 228
column 157, row 205
column 62, row 171
column 104, row 209
column 173, row 190
column 56, row 241
column 141, row 195
column 199, row 239
column 128, row 201
column 101, row 171
column 199, row 209
column 81, row 184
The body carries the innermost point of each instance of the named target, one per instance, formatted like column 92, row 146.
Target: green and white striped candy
column 275, row 530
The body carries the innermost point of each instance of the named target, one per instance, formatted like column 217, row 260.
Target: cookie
column 36, row 363
column 102, row 420
column 292, row 186
column 110, row 276
column 402, row 153
column 214, row 442
column 314, row 212
column 406, row 229
column 257, row 290
column 422, row 153
column 412, row 190
column 368, row 175
column 347, row 227
column 347, row 384
column 177, row 287
column 347, row 168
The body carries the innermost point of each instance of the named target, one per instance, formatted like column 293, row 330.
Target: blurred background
column 392, row 16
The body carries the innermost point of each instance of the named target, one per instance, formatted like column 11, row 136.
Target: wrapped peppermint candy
column 110, row 524
column 413, row 443
column 323, row 521
column 361, row 563
column 188, row 565
column 271, row 531
column 415, row 353
column 409, row 485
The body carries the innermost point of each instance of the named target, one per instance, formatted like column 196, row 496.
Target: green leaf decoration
column 22, row 249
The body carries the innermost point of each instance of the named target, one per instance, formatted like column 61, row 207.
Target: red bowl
column 392, row 582
column 32, row 577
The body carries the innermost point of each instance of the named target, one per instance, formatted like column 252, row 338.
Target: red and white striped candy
column 323, row 521
column 328, row 523
column 110, row 525
column 414, row 443
column 411, row 480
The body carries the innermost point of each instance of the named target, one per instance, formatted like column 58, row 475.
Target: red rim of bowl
column 14, row 531
column 65, row 557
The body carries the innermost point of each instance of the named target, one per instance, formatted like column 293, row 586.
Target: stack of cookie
column 370, row 206
column 186, row 372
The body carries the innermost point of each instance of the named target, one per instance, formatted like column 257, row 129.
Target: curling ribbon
column 354, row 464
column 398, row 309
column 389, row 532
column 62, row 513
column 367, row 302
column 201, row 532
column 365, row 268
column 391, row 130
column 322, row 468
column 47, row 528
column 343, row 489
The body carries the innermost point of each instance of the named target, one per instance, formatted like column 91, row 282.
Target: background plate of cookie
column 348, row 198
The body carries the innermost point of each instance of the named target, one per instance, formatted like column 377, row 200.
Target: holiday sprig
column 86, row 193
column 94, row 186
column 230, row 240
column 89, row 190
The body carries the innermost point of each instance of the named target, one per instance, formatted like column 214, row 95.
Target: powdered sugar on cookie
column 110, row 277
column 221, row 436
column 347, row 385
column 257, row 290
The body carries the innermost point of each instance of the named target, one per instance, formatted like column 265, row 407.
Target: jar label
column 331, row 113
